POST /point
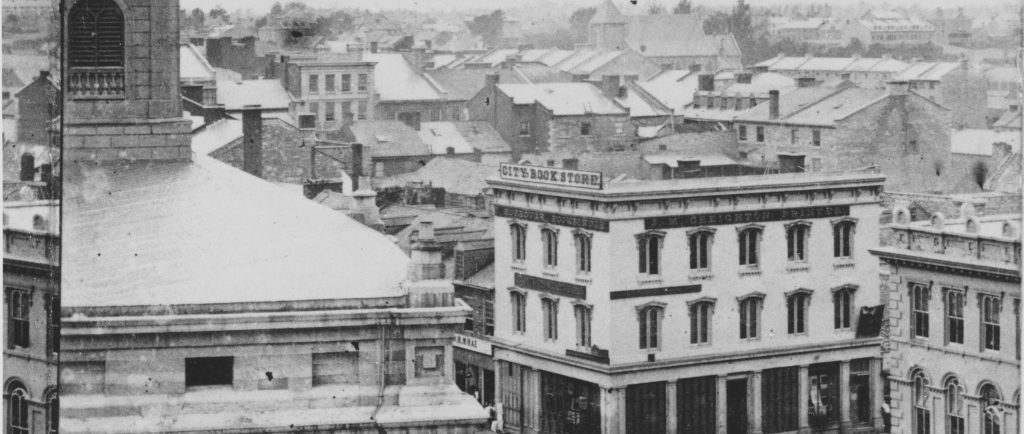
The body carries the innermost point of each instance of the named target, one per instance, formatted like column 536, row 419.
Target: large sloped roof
column 669, row 35
column 608, row 14
column 563, row 98
column 206, row 233
column 396, row 80
column 389, row 138
column 269, row 94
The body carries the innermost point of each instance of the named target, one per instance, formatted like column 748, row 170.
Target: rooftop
column 396, row 80
column 169, row 234
column 389, row 138
column 193, row 67
column 563, row 99
column 455, row 175
column 269, row 94
column 979, row 142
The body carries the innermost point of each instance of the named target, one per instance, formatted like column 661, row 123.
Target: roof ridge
column 648, row 97
column 816, row 102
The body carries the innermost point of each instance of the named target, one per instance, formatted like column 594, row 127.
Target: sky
column 258, row 6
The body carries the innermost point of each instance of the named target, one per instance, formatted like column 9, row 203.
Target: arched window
column 582, row 325
column 922, row 416
column 95, row 50
column 700, row 321
column 954, row 407
column 650, row 318
column 796, row 241
column 583, row 243
column 549, row 237
column 17, row 409
column 518, row 311
column 750, row 316
column 842, row 239
column 991, row 423
column 649, row 246
column 749, row 246
column 518, row 242
column 796, row 306
column 842, row 303
column 700, row 249
column 550, row 309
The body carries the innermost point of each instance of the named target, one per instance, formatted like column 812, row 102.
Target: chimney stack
column 695, row 67
column 706, row 82
column 356, row 167
column 900, row 87
column 571, row 163
column 773, row 104
column 252, row 137
column 610, row 86
column 744, row 77
column 28, row 167
column 373, row 46
column 492, row 79
column 426, row 255
column 805, row 81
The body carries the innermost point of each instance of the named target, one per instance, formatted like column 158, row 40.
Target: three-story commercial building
column 953, row 347
column 715, row 305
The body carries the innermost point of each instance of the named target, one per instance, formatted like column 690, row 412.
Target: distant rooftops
column 834, row 64
column 563, row 99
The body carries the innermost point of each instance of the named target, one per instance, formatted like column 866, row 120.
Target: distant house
column 554, row 116
column 460, row 85
column 334, row 89
column 471, row 140
column 407, row 95
column 672, row 41
column 715, row 107
column 270, row 95
column 463, row 182
column 889, row 28
column 38, row 105
column 952, row 84
column 980, row 157
column 951, row 29
column 899, row 132
column 864, row 71
column 392, row 147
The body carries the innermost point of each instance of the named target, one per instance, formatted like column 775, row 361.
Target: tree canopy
column 488, row 26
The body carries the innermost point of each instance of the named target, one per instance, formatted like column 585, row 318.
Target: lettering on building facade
column 553, row 176
column 550, row 286
column 473, row 344
column 652, row 292
column 589, row 223
column 741, row 217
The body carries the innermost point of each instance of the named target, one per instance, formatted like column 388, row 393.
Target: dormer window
column 95, row 50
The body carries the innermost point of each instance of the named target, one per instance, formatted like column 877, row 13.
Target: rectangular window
column 585, row 129
column 860, row 391
column 582, row 253
column 919, row 295
column 797, row 313
column 524, row 128
column 456, row 114
column 435, row 115
column 750, row 315
column 823, row 382
column 346, row 82
column 518, row 312
column 52, row 324
column 329, row 83
column 749, row 239
column 550, row 310
column 329, row 111
column 816, row 137
column 760, row 134
column 489, row 317
column 314, row 83
column 17, row 318
column 752, row 103
column 362, row 110
column 711, row 102
column 700, row 323
column 700, row 251
column 518, row 242
column 209, row 371
column 582, row 325
column 363, row 78
column 796, row 242
column 649, row 324
column 742, row 133
column 842, row 303
column 780, row 399
column 650, row 249
column 550, row 240
column 815, row 165
column 990, row 306
column 842, row 237
column 954, row 316
column 314, row 108
column 793, row 136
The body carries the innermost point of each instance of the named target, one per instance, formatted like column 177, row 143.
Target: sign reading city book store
column 552, row 176
column 743, row 217
column 588, row 223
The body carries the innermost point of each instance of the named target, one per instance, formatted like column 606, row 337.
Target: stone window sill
column 749, row 271
column 797, row 267
column 584, row 278
column 698, row 275
column 549, row 272
column 843, row 263
column 518, row 266
column 647, row 279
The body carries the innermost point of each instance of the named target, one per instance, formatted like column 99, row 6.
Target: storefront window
column 569, row 406
column 860, row 391
column 823, row 395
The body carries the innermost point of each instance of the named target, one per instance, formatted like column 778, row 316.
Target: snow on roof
column 563, row 99
column 455, row 175
column 389, row 138
column 193, row 66
column 672, row 159
column 593, row 63
column 216, row 136
column 932, row 71
column 36, row 216
column 269, row 94
column 440, row 136
column 979, row 142
column 808, row 24
column 674, row 89
column 836, row 64
column 396, row 80
column 169, row 234
column 836, row 106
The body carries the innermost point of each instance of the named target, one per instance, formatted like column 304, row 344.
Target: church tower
column 608, row 28
column 121, row 100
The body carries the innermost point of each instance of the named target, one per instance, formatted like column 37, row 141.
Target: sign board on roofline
column 552, row 176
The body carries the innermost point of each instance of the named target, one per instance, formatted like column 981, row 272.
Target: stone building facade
column 952, row 351
column 31, row 317
column 621, row 307
column 337, row 89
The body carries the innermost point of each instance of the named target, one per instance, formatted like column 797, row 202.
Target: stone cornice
column 907, row 258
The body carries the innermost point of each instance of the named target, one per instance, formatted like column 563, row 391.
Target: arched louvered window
column 95, row 50
column 95, row 34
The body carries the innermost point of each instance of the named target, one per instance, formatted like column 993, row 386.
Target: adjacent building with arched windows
column 952, row 352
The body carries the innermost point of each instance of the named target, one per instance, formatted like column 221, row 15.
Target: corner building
column 717, row 305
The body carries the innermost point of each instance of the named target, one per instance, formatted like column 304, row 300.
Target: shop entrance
column 736, row 406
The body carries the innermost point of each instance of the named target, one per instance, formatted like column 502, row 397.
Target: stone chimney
column 571, row 163
column 706, row 82
column 744, row 77
column 365, row 205
column 425, row 255
column 28, row 168
column 610, row 86
column 252, row 140
column 899, row 88
column 492, row 79
column 695, row 67
column 773, row 104
column 805, row 81
column 373, row 46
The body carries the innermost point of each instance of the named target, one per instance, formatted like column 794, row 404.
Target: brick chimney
column 252, row 140
column 28, row 167
column 610, row 86
column 425, row 255
column 706, row 82
column 773, row 104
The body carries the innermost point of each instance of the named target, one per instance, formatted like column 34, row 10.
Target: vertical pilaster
column 1010, row 421
column 876, row 395
column 499, row 377
column 721, row 405
column 938, row 403
column 620, row 411
column 609, row 417
column 844, row 396
column 754, row 398
column 803, row 384
column 671, row 418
